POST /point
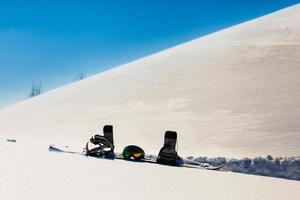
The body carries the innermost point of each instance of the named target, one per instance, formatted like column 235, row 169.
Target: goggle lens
column 133, row 151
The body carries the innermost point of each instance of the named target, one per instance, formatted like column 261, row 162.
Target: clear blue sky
column 53, row 41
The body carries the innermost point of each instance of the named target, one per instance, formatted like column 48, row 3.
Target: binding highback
column 108, row 133
column 104, row 144
column 170, row 138
column 167, row 154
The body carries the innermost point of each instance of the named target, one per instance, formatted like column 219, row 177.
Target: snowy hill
column 233, row 93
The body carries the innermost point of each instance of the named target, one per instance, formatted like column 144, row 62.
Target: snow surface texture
column 234, row 93
column 282, row 167
column 29, row 171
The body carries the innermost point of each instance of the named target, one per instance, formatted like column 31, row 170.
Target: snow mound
column 280, row 167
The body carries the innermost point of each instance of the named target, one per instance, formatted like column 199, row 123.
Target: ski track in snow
column 280, row 167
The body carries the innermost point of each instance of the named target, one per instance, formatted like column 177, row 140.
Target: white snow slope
column 233, row 93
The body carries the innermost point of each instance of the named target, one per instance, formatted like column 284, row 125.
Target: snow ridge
column 280, row 167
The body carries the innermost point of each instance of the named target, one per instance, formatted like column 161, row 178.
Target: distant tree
column 80, row 76
column 35, row 89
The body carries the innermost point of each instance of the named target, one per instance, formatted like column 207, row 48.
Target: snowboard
column 148, row 158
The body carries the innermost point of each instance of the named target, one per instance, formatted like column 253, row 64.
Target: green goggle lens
column 133, row 151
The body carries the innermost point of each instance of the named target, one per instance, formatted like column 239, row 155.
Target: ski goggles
column 132, row 151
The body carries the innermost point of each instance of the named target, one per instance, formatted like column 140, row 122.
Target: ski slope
column 29, row 171
column 233, row 93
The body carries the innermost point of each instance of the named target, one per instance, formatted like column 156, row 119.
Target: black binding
column 168, row 154
column 104, row 144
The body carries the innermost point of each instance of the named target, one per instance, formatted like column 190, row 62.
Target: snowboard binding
column 103, row 144
column 168, row 154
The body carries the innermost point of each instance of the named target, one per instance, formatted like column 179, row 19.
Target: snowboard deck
column 148, row 158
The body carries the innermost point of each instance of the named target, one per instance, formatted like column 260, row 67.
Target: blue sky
column 53, row 41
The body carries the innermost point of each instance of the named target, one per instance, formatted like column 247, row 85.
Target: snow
column 29, row 171
column 223, row 94
column 281, row 167
column 233, row 94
